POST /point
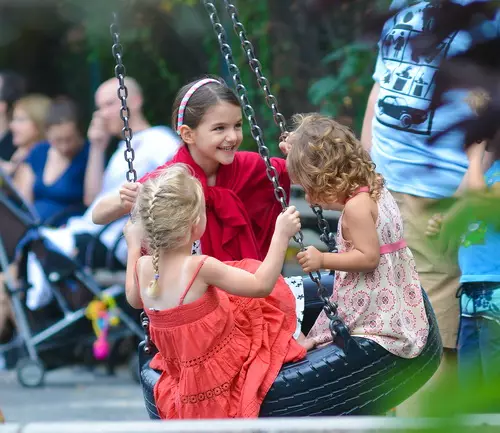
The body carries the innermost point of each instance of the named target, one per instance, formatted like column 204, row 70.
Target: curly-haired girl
column 377, row 288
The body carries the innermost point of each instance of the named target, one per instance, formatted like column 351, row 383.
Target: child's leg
column 470, row 372
column 489, row 341
column 307, row 343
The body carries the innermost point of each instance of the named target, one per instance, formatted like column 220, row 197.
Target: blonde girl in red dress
column 223, row 330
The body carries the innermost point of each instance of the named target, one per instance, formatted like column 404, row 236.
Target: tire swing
column 351, row 376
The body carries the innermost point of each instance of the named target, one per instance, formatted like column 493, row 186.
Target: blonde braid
column 167, row 208
column 154, row 289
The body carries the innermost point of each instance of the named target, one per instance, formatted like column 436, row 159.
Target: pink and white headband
column 185, row 100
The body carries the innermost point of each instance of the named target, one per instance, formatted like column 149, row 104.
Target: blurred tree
column 64, row 46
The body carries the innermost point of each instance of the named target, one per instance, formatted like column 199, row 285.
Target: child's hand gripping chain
column 288, row 223
column 311, row 259
column 128, row 195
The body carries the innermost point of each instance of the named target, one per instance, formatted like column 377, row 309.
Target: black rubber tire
column 363, row 379
column 148, row 378
column 133, row 366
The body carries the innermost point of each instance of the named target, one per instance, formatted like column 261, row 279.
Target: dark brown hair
column 205, row 97
column 63, row 110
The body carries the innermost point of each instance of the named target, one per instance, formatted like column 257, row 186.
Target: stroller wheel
column 133, row 365
column 30, row 373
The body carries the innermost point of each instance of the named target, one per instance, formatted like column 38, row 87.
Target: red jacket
column 241, row 207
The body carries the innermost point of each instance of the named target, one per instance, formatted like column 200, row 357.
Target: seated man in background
column 153, row 145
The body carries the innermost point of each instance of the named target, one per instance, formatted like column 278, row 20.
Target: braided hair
column 167, row 208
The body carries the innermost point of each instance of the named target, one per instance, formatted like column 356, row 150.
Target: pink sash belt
column 391, row 248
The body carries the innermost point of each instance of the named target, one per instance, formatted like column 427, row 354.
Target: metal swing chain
column 122, row 92
column 329, row 307
column 327, row 237
column 129, row 154
column 249, row 112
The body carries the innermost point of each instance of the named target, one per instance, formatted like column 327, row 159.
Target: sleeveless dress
column 384, row 305
column 220, row 354
column 241, row 211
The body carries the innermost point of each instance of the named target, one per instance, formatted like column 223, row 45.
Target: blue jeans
column 478, row 351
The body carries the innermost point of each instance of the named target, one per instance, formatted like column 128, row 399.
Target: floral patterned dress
column 385, row 305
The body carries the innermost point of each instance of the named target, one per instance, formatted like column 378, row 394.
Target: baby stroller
column 59, row 333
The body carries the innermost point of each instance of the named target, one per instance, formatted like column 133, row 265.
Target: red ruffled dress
column 220, row 354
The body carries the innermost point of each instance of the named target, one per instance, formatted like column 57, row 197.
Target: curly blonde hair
column 167, row 208
column 329, row 161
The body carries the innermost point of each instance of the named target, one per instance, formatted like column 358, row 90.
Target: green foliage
column 255, row 18
column 165, row 44
column 87, row 61
column 345, row 90
column 459, row 214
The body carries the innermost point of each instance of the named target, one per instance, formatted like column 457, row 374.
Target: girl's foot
column 306, row 343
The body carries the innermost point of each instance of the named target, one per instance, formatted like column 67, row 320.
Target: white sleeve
column 155, row 150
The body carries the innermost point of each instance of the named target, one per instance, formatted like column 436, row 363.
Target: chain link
column 129, row 154
column 327, row 237
column 330, row 307
column 256, row 67
column 120, row 72
column 248, row 111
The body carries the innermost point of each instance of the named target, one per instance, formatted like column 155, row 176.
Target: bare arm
column 108, row 209
column 24, row 180
column 99, row 141
column 479, row 162
column 365, row 255
column 366, row 132
column 469, row 207
column 488, row 160
column 133, row 236
column 243, row 283
column 93, row 174
column 475, row 174
column 132, row 292
column 114, row 205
